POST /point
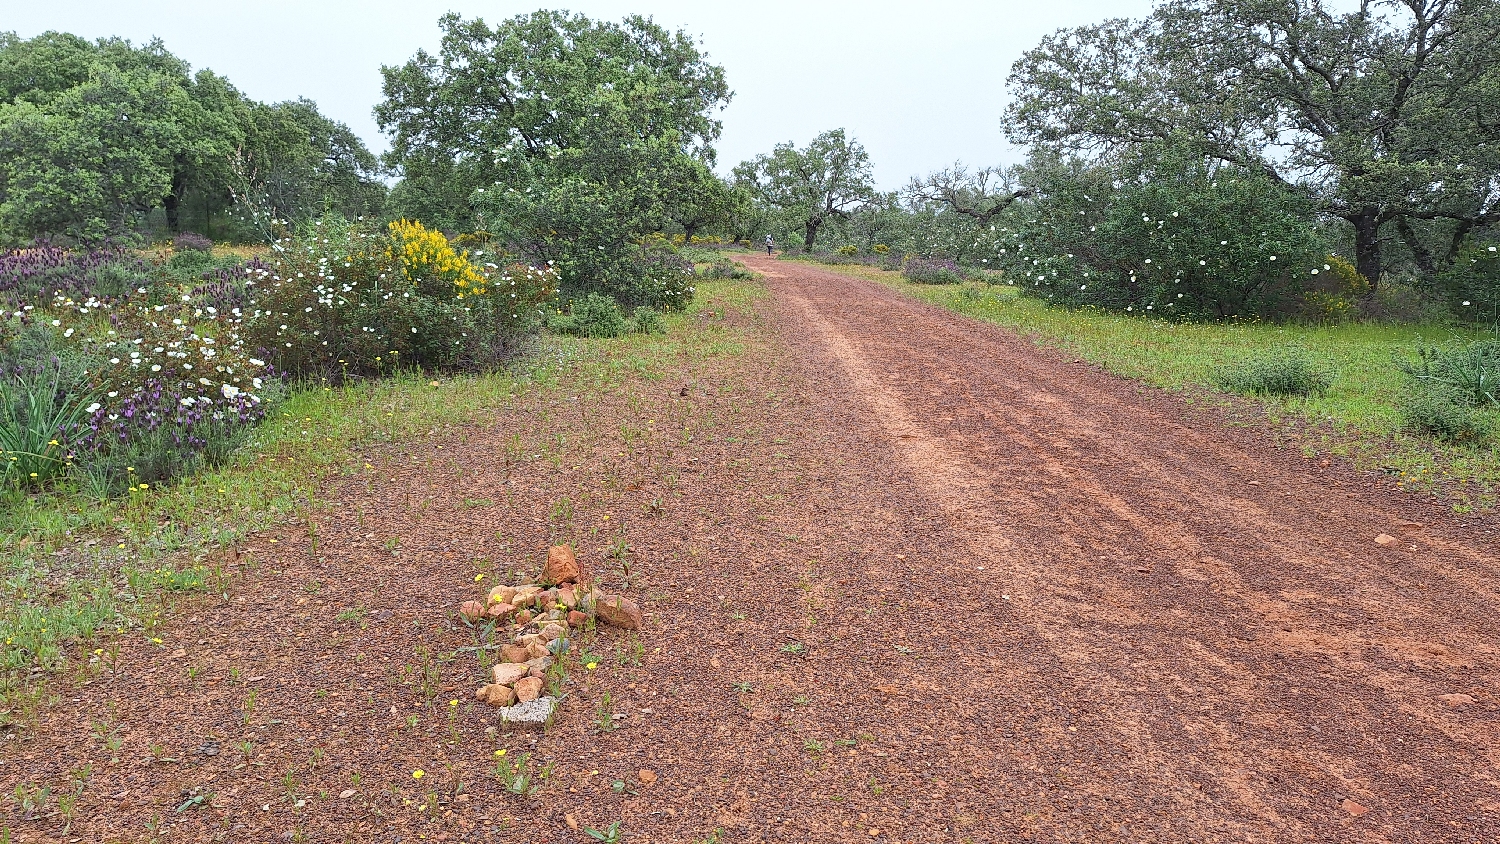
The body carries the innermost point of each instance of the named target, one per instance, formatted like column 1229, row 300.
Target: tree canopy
column 1383, row 115
column 569, row 138
column 828, row 179
column 96, row 135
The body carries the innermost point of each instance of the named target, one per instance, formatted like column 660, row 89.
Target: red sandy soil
column 907, row 579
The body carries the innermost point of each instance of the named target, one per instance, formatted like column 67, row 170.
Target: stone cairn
column 539, row 619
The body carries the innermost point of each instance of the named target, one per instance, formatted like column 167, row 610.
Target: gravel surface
column 906, row 578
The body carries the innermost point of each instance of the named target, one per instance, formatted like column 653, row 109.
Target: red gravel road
column 907, row 578
column 1146, row 626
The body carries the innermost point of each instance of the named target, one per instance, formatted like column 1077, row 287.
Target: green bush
column 1281, row 373
column 724, row 268
column 648, row 321
column 1163, row 232
column 932, row 271
column 1471, row 283
column 341, row 299
column 1443, row 412
column 595, row 315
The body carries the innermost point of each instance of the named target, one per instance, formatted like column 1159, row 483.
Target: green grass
column 75, row 567
column 1355, row 418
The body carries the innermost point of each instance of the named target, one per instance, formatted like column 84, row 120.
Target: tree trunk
column 1367, row 246
column 173, row 201
column 811, row 234
column 174, row 216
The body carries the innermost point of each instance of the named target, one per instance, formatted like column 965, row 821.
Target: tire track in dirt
column 1281, row 660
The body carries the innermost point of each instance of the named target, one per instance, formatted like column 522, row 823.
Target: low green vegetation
column 1387, row 396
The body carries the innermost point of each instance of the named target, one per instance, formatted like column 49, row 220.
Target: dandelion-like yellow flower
column 418, row 774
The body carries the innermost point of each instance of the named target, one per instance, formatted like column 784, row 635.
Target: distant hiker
column 769, row 244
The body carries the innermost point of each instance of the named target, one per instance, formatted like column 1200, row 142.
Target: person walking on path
column 769, row 244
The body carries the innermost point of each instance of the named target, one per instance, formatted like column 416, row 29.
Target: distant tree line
column 1216, row 158
column 100, row 139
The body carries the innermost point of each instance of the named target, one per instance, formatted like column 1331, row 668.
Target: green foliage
column 1471, row 372
column 1441, row 412
column 647, row 321
column 96, row 135
column 594, row 315
column 811, row 186
column 722, row 267
column 1471, row 284
column 1454, row 392
column 1286, row 372
column 1377, row 112
column 345, row 298
column 571, row 140
column 39, row 417
column 297, row 165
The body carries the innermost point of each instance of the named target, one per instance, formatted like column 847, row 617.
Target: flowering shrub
column 340, row 299
column 192, row 241
column 1472, row 283
column 932, row 271
column 1165, row 235
column 111, row 364
column 655, row 276
column 41, row 271
column 430, row 264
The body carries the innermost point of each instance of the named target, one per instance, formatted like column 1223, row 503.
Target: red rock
column 528, row 689
column 472, row 610
column 647, row 777
column 496, row 695
column 561, row 567
column 514, row 653
column 537, row 650
column 1386, row 539
column 568, row 597
column 523, row 617
column 618, row 611
column 577, row 619
column 1456, row 699
column 500, row 610
column 1353, row 808
column 506, row 673
column 501, row 595
column 554, row 631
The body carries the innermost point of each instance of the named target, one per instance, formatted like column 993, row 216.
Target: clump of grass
column 1454, row 392
column 1275, row 373
column 647, row 320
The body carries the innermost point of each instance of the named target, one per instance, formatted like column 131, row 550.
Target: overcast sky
column 920, row 84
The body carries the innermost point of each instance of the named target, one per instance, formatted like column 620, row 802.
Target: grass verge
column 78, row 569
column 1355, row 418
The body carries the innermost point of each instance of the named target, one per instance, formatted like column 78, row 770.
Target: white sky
column 920, row 84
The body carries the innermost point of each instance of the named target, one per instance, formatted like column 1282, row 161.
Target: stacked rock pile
column 539, row 618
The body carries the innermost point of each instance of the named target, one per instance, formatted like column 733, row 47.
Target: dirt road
column 906, row 578
column 1142, row 623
